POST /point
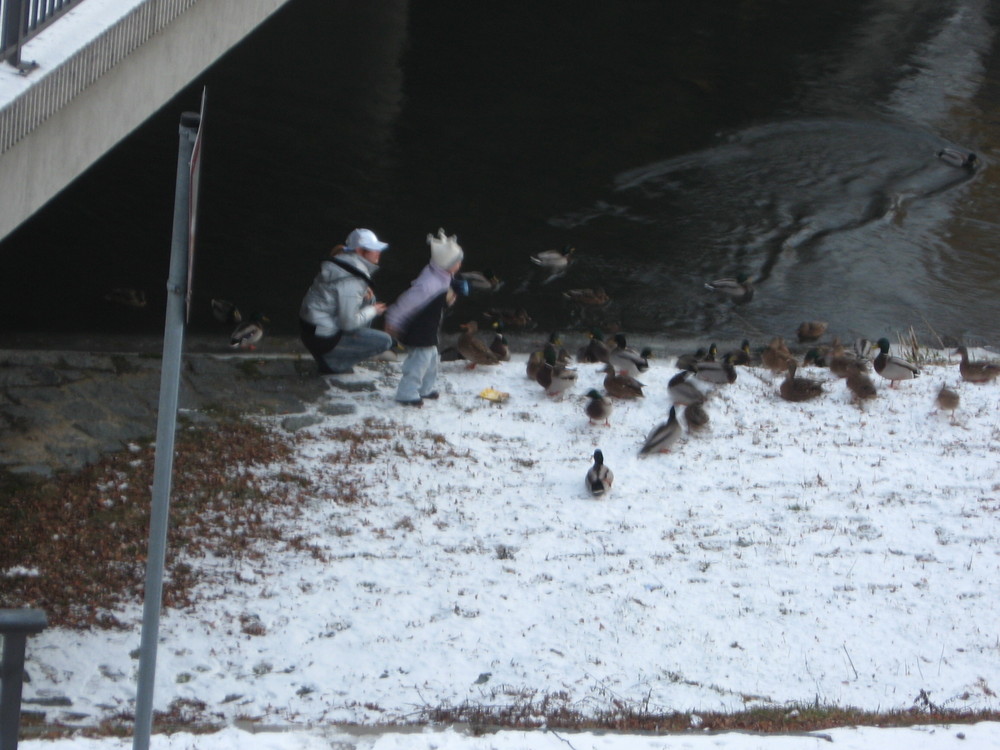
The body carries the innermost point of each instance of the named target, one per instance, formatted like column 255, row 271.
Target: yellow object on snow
column 491, row 394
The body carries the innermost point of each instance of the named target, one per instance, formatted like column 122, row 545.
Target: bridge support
column 168, row 44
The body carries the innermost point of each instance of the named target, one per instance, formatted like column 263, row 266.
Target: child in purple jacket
column 415, row 318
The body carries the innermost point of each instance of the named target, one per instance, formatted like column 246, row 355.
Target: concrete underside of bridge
column 65, row 142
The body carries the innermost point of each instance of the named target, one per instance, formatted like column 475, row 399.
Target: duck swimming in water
column 554, row 260
column 739, row 288
column 957, row 158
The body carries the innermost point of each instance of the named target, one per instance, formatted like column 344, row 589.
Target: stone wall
column 60, row 410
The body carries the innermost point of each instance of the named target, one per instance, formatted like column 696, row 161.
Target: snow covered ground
column 790, row 553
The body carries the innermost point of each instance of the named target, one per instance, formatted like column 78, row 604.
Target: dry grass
column 84, row 536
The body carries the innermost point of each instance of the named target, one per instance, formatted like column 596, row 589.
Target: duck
column 595, row 350
column 683, row 393
column 811, row 330
column 776, row 357
column 472, row 349
column 859, row 384
column 662, row 437
column 246, row 335
column 695, row 416
column 739, row 288
column 499, row 344
column 799, row 389
column 947, row 400
column 598, row 407
column 225, row 311
column 816, row 358
column 621, row 386
column 135, row 298
column 957, row 158
column 536, row 360
column 892, row 368
column 563, row 378
column 482, row 281
column 686, row 361
column 517, row 318
column 976, row 372
column 554, row 376
column 627, row 360
column 599, row 476
column 741, row 356
column 589, row 297
column 554, row 260
column 719, row 373
column 843, row 361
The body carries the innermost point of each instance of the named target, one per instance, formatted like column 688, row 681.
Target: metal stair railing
column 22, row 19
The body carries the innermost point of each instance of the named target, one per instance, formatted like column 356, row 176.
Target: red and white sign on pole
column 193, row 205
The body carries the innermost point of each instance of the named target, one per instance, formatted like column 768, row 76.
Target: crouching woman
column 336, row 313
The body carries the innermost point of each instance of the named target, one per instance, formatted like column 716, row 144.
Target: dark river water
column 669, row 142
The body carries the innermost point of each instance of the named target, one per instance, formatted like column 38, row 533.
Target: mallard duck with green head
column 499, row 344
column 599, row 477
column 248, row 334
column 738, row 288
column 893, row 368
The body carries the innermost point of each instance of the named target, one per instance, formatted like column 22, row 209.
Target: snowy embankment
column 790, row 553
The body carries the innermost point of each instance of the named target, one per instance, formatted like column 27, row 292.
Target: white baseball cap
column 364, row 239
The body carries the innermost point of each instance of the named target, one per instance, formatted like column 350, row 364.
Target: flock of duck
column 551, row 368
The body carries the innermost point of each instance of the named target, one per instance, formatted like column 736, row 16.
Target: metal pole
column 166, row 422
column 12, row 30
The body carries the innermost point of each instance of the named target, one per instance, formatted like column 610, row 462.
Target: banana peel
column 491, row 394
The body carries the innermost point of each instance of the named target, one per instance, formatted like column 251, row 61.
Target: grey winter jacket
column 336, row 300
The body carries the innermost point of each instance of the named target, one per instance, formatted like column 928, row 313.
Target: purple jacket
column 416, row 314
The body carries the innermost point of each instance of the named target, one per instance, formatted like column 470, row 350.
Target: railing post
column 15, row 627
column 12, row 29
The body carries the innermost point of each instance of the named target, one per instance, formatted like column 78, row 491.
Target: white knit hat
column 445, row 251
